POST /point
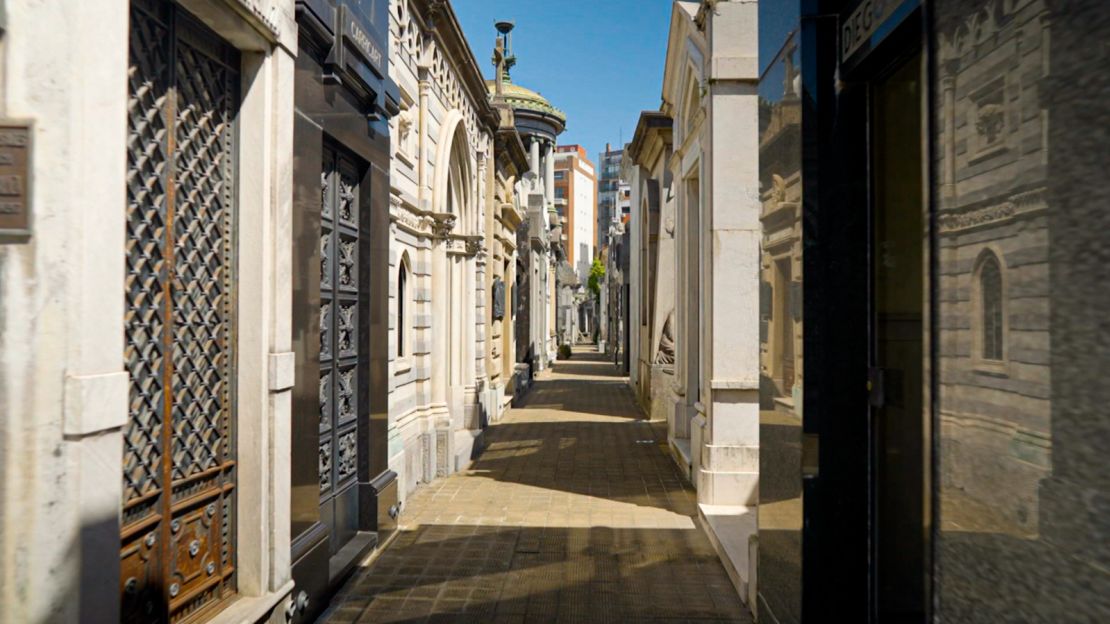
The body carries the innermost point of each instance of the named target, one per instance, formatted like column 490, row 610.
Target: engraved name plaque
column 15, row 178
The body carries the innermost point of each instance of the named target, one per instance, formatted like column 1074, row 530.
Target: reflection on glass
column 1022, row 402
column 780, row 305
column 898, row 302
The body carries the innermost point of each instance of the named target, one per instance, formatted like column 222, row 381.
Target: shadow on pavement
column 511, row 574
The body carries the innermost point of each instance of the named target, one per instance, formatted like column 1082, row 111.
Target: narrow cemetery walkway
column 574, row 513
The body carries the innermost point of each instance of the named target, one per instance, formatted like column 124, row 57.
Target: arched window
column 990, row 308
column 402, row 309
column 692, row 106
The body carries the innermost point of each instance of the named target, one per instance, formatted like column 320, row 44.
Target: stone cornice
column 409, row 218
column 1020, row 204
column 439, row 16
column 654, row 126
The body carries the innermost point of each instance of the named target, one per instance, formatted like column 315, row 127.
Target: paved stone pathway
column 574, row 513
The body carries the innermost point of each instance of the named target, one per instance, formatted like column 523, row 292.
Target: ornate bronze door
column 178, row 535
column 339, row 346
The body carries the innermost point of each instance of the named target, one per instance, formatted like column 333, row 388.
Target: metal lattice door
column 339, row 346
column 177, row 550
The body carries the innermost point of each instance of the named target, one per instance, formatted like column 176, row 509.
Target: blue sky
column 600, row 61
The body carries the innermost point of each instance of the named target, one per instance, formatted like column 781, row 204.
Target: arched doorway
column 455, row 201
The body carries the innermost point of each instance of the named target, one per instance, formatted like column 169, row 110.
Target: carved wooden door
column 339, row 346
column 178, row 522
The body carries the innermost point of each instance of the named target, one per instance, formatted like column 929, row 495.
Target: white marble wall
column 709, row 89
column 63, row 389
column 435, row 387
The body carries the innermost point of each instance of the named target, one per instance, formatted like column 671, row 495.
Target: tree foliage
column 597, row 273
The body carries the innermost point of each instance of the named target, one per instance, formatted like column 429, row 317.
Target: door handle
column 876, row 391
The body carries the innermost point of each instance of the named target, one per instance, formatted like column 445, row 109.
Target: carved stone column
column 549, row 174
column 948, row 87
column 534, row 156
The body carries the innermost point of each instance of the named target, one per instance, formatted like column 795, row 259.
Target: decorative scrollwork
column 346, row 400
column 348, row 259
column 325, row 465
column 347, row 331
column 474, row 246
column 325, row 260
column 325, row 331
column 443, row 225
column 347, row 456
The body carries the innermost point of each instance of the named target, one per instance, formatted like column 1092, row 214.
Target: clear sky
column 600, row 61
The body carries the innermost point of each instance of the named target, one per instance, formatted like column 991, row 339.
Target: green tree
column 597, row 273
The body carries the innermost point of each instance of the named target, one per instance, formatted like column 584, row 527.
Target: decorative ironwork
column 325, row 260
column 345, row 397
column 146, row 263
column 325, row 400
column 347, row 457
column 348, row 263
column 325, row 331
column 325, row 465
column 348, row 210
column 179, row 347
column 339, row 300
column 347, row 340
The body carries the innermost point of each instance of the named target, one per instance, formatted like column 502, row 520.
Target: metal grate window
column 177, row 541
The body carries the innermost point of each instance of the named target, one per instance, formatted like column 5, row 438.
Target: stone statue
column 665, row 355
column 778, row 189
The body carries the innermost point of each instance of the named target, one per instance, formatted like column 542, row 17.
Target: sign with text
column 358, row 36
column 15, row 178
column 871, row 22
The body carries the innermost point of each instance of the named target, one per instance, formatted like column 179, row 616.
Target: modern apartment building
column 609, row 185
column 576, row 186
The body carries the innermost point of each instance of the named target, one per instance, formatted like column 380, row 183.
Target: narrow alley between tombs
column 574, row 512
column 360, row 311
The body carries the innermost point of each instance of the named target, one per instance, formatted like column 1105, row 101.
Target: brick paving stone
column 573, row 513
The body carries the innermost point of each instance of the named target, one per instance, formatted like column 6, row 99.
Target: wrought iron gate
column 339, row 346
column 178, row 536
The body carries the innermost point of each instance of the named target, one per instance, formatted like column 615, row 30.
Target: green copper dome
column 521, row 98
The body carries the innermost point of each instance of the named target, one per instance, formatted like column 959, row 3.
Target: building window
column 990, row 302
column 402, row 299
column 560, row 175
column 560, row 192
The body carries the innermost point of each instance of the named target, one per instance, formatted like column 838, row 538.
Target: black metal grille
column 202, row 262
column 177, row 548
column 339, row 321
column 146, row 263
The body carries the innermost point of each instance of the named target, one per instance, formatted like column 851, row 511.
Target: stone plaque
column 15, row 178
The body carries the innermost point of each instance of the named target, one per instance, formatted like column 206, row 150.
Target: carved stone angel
column 665, row 355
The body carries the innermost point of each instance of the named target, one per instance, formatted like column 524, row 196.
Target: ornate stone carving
column 1022, row 203
column 989, row 123
column 435, row 11
column 443, row 224
column 474, row 246
column 404, row 125
column 972, row 218
column 778, row 189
